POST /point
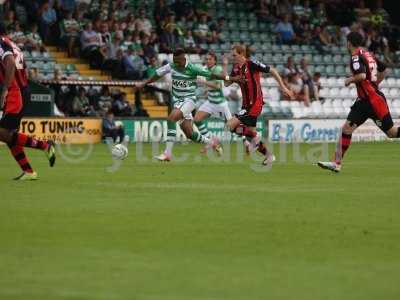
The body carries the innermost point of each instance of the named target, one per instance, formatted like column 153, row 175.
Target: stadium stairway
column 149, row 103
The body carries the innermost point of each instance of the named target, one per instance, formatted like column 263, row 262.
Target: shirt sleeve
column 164, row 70
column 357, row 65
column 5, row 50
column 259, row 66
column 200, row 71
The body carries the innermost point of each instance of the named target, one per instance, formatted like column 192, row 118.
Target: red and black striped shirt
column 364, row 62
column 251, row 89
column 7, row 47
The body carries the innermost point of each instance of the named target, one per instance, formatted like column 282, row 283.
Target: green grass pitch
column 202, row 230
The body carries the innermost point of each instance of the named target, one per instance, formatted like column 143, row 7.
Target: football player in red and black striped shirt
column 13, row 79
column 367, row 73
column 247, row 73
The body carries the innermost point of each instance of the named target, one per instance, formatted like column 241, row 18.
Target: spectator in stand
column 307, row 11
column 80, row 104
column 304, row 71
column 284, row 30
column 300, row 90
column 67, row 5
column 377, row 43
column 321, row 39
column 160, row 10
column 148, row 49
column 142, row 23
column 34, row 75
column 121, row 107
column 127, row 41
column 298, row 9
column 48, row 23
column 90, row 46
column 133, row 64
column 9, row 19
column 298, row 28
column 290, row 67
column 202, row 6
column 202, row 30
column 264, row 12
column 18, row 36
column 104, row 100
column 70, row 32
column 111, row 59
column 168, row 39
column 362, row 12
column 190, row 45
column 216, row 30
column 318, row 17
column 284, row 8
column 181, row 8
column 105, row 34
column 33, row 40
column 380, row 16
column 111, row 129
column 315, row 87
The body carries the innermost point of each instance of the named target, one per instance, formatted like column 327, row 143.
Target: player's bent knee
column 348, row 128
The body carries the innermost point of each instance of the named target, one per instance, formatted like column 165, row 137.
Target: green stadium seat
column 306, row 49
column 254, row 36
column 234, row 36
column 328, row 59
column 267, row 58
column 286, row 48
column 337, row 59
column 266, row 47
column 340, row 70
column 317, row 59
column 244, row 37
column 330, row 69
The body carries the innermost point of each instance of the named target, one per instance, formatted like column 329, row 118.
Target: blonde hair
column 240, row 49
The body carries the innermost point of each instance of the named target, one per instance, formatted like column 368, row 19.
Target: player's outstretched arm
column 9, row 67
column 355, row 78
column 142, row 84
column 160, row 72
column 275, row 74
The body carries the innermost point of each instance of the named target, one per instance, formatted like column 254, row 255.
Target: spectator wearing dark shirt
column 133, row 64
column 111, row 129
column 168, row 39
column 121, row 107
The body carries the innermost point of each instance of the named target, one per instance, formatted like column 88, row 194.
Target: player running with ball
column 368, row 72
column 245, row 122
column 184, row 85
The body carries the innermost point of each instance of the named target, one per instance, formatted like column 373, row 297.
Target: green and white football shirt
column 184, row 81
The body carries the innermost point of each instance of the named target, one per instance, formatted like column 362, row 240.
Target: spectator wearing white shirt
column 90, row 46
column 142, row 23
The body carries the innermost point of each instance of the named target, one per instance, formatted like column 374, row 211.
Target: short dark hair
column 179, row 51
column 355, row 38
column 3, row 29
column 317, row 74
column 213, row 55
